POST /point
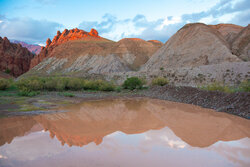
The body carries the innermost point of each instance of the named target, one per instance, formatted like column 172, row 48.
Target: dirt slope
column 241, row 44
column 193, row 45
column 228, row 31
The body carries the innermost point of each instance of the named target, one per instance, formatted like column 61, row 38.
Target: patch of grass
column 67, row 94
column 63, row 84
column 8, row 93
column 160, row 81
column 216, row 87
column 133, row 83
column 28, row 107
column 245, row 86
column 28, row 93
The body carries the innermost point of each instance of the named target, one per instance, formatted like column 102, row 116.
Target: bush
column 218, row 87
column 75, row 84
column 132, row 83
column 50, row 85
column 118, row 89
column 60, row 86
column 62, row 83
column 245, row 86
column 32, row 84
column 160, row 81
column 106, row 86
column 7, row 71
column 4, row 84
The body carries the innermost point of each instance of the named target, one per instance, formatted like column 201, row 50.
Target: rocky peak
column 73, row 34
column 93, row 32
column 6, row 43
column 14, row 57
column 65, row 36
column 48, row 42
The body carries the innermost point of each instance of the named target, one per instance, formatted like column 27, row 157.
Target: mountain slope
column 241, row 44
column 228, row 31
column 87, row 53
column 193, row 45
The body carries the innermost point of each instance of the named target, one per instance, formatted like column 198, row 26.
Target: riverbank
column 232, row 103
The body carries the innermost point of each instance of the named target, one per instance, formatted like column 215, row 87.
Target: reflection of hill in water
column 92, row 120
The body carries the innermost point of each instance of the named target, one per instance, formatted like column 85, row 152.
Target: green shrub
column 118, row 89
column 7, row 71
column 219, row 87
column 75, row 84
column 60, row 86
column 62, row 83
column 50, row 85
column 4, row 84
column 107, row 86
column 160, row 81
column 32, row 84
column 132, row 83
column 245, row 86
column 35, row 84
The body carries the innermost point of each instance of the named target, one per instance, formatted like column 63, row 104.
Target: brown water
column 126, row 132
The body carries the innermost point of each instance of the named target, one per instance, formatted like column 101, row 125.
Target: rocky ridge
column 66, row 35
column 15, row 59
column 32, row 48
column 92, row 54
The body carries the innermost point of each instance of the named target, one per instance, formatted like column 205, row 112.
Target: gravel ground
column 233, row 103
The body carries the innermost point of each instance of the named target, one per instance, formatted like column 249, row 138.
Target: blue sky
column 34, row 21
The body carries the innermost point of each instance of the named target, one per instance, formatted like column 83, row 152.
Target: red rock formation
column 66, row 35
column 32, row 48
column 14, row 57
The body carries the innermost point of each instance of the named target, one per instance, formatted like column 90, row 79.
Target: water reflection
column 127, row 127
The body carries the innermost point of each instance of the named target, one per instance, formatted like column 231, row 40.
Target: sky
column 33, row 21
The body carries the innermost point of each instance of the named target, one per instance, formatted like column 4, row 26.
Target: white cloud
column 225, row 11
column 28, row 30
column 37, row 31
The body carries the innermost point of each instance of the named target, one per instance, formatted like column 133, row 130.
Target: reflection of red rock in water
column 91, row 121
column 13, row 127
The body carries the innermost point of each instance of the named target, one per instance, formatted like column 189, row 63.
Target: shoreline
column 233, row 103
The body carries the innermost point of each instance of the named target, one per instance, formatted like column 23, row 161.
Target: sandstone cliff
column 14, row 58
